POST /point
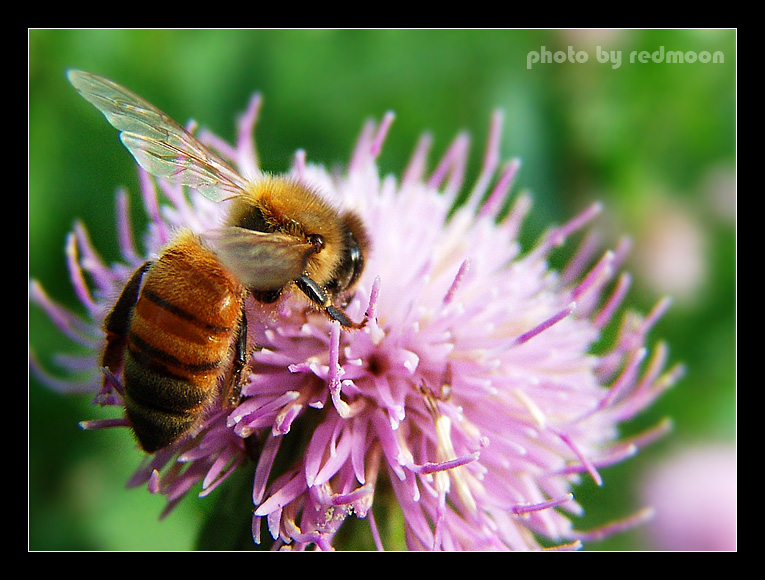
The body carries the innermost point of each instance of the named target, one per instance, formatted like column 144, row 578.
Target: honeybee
column 178, row 330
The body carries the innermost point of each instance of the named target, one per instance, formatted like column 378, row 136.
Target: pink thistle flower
column 473, row 396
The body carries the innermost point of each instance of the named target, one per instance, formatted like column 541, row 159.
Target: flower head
column 473, row 396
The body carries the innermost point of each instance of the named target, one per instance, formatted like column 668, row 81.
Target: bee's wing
column 262, row 261
column 159, row 144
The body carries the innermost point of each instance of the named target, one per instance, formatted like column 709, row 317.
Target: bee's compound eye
column 354, row 263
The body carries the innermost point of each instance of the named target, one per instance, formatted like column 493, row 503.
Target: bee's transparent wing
column 262, row 261
column 160, row 145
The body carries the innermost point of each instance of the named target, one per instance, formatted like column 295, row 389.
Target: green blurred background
column 656, row 142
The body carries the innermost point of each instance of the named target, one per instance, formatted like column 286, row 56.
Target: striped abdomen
column 179, row 342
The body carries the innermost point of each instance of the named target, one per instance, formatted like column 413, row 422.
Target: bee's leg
column 117, row 323
column 253, row 443
column 316, row 295
column 239, row 362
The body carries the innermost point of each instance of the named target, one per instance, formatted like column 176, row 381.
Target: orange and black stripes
column 188, row 347
column 183, row 314
column 178, row 333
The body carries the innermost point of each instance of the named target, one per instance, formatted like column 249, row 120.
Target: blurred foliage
column 641, row 137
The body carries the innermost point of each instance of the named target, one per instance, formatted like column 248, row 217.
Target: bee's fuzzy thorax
column 286, row 206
